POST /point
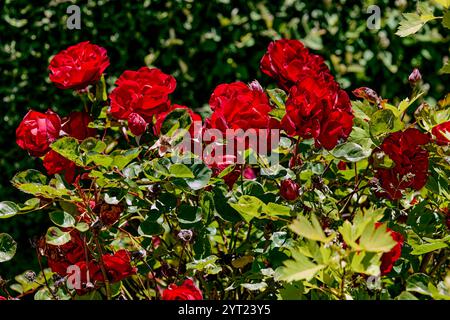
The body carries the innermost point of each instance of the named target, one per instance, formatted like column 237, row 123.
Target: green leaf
column 300, row 268
column 405, row 295
column 445, row 68
column 8, row 209
column 179, row 170
column 68, row 148
column 62, row 219
column 92, row 144
column 365, row 262
column 446, row 19
column 309, row 230
column 249, row 207
column 29, row 176
column 413, row 22
column 177, row 119
column 56, row 236
column 149, row 227
column 201, row 173
column 418, row 283
column 428, row 247
column 207, row 265
column 122, row 158
column 8, row 247
column 278, row 96
column 188, row 215
column 376, row 239
column 444, row 3
column 383, row 122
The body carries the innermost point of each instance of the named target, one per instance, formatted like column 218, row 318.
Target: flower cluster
column 410, row 163
column 317, row 107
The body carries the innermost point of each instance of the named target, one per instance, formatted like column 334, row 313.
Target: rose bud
column 414, row 77
column 289, row 189
column 37, row 131
column 136, row 124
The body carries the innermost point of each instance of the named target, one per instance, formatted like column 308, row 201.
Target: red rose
column 55, row 163
column 317, row 108
column 145, row 92
column 187, row 291
column 287, row 61
column 162, row 116
column 76, row 125
column 410, row 160
column 289, row 189
column 237, row 106
column 61, row 257
column 78, row 66
column 389, row 258
column 37, row 131
column 439, row 131
column 118, row 267
column 136, row 124
column 2, row 298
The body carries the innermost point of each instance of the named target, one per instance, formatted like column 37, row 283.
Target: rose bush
column 358, row 192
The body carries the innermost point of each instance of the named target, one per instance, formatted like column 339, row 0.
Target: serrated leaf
column 413, row 22
column 376, row 239
column 309, row 230
column 299, row 268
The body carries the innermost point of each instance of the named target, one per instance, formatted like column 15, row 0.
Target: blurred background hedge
column 201, row 43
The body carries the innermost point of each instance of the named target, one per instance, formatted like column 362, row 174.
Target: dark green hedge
column 202, row 43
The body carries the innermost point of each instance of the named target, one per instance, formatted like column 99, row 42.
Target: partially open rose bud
column 108, row 213
column 415, row 77
column 136, row 124
column 289, row 189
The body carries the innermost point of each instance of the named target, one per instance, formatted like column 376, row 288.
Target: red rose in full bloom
column 289, row 189
column 162, row 116
column 317, row 108
column 239, row 106
column 145, row 92
column 410, row 160
column 78, row 66
column 187, row 291
column 136, row 124
column 55, row 163
column 118, row 267
column 76, row 125
column 287, row 61
column 61, row 257
column 389, row 258
column 438, row 131
column 37, row 131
